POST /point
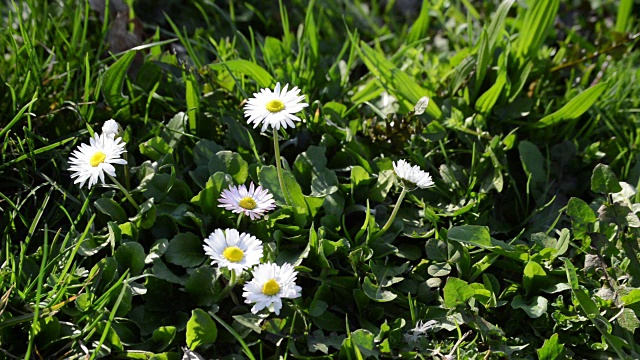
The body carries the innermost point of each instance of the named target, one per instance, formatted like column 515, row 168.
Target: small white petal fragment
column 275, row 108
column 421, row 106
column 90, row 162
column 270, row 284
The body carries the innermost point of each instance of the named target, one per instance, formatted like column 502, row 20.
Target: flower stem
column 127, row 182
column 392, row 217
column 276, row 147
column 230, row 285
column 239, row 221
column 125, row 192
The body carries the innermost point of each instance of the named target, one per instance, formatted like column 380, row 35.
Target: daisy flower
column 253, row 202
column 233, row 250
column 412, row 175
column 274, row 108
column 270, row 284
column 111, row 128
column 90, row 162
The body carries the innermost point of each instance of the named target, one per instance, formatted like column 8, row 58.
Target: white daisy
column 90, row 162
column 270, row 284
column 111, row 128
column 413, row 176
column 275, row 108
column 253, row 202
column 233, row 250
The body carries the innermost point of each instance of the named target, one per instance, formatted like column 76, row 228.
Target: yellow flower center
column 271, row 287
column 248, row 203
column 275, row 106
column 97, row 158
column 233, row 254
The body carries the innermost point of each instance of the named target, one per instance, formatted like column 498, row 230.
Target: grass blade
column 114, row 79
column 625, row 8
column 18, row 116
column 575, row 107
column 538, row 21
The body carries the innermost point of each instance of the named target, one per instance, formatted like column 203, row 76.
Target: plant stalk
column 392, row 217
column 276, row 147
column 125, row 192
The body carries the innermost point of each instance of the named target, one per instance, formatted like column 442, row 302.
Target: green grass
column 526, row 247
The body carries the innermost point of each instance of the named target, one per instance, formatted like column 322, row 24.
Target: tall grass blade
column 624, row 16
column 538, row 21
column 421, row 25
column 575, row 107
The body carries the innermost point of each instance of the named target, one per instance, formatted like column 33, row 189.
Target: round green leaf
column 185, row 249
column 201, row 329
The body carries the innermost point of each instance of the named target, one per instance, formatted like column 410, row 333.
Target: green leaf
column 580, row 212
column 146, row 216
column 534, row 309
column 384, row 183
column 207, row 199
column 485, row 56
column 274, row 51
column 185, row 249
column 551, row 349
column 395, row 80
column 164, row 335
column 563, row 242
column 204, row 151
column 365, row 341
column 604, row 181
column 471, row 234
column 387, row 275
column 317, row 307
column 421, row 25
column 538, row 21
column 130, row 255
column 167, row 188
column 533, row 162
column 231, row 163
column 192, row 97
column 251, row 69
column 575, row 107
column 485, row 103
column 200, row 285
column 359, row 176
column 628, row 320
column 311, row 32
column 625, row 13
column 377, row 293
column 632, row 297
column 534, row 277
column 269, row 180
column 439, row 269
column 456, row 292
column 113, row 79
column 158, row 249
column 112, row 209
column 175, row 129
column 437, row 250
column 201, row 329
column 497, row 22
column 47, row 329
column 155, row 148
column 161, row 271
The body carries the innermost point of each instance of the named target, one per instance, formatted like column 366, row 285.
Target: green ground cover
column 525, row 113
